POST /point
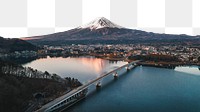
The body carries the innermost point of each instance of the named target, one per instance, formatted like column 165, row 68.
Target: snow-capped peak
column 100, row 22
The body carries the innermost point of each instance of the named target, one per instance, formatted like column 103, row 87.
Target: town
column 188, row 54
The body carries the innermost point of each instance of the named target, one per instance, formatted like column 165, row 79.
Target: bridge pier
column 128, row 68
column 98, row 84
column 115, row 75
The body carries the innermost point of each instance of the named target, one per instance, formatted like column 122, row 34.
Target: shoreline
column 169, row 65
column 151, row 63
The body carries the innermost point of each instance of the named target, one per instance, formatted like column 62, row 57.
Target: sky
column 25, row 18
column 95, row 8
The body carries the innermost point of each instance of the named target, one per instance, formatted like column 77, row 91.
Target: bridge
column 79, row 93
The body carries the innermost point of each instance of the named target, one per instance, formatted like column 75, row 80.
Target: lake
column 143, row 89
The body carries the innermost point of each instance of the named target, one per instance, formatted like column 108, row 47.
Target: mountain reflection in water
column 82, row 68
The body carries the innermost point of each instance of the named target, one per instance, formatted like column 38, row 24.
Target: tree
column 46, row 74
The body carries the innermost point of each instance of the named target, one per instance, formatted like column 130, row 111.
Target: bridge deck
column 71, row 93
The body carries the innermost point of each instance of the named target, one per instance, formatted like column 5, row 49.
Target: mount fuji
column 99, row 23
column 103, row 31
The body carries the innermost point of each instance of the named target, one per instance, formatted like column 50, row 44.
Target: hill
column 11, row 45
column 24, row 89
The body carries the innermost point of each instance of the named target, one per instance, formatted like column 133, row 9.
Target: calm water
column 144, row 89
column 82, row 68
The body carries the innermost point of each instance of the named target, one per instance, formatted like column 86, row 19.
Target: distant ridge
column 103, row 31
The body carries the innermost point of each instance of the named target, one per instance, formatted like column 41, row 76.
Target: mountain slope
column 11, row 45
column 101, row 30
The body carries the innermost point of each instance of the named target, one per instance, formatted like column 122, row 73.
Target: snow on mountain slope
column 99, row 23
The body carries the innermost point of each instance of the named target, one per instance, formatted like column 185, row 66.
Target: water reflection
column 82, row 68
column 94, row 64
